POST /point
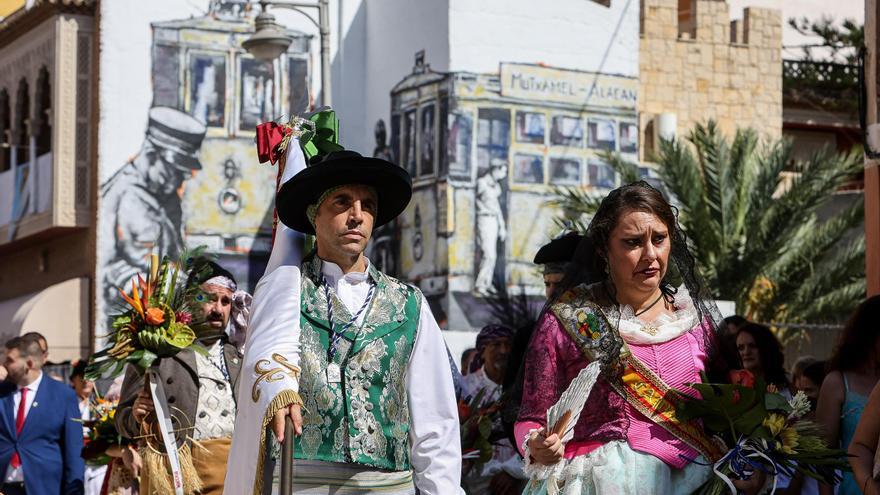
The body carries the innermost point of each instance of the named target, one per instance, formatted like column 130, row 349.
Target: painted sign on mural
column 193, row 177
column 534, row 82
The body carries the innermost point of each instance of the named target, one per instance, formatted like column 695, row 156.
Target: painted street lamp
column 271, row 39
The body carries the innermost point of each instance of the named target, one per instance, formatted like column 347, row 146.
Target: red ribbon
column 269, row 137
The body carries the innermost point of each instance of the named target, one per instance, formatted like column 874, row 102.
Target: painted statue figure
column 491, row 227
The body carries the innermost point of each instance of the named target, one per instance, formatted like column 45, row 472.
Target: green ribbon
column 324, row 139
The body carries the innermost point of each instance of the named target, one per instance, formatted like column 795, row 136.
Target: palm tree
column 753, row 225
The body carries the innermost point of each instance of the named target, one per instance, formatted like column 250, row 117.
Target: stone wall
column 715, row 69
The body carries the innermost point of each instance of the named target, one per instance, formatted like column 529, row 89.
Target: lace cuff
column 536, row 470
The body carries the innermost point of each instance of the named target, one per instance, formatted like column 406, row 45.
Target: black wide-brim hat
column 559, row 250
column 393, row 186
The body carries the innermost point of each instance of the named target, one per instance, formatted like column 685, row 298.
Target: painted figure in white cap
column 141, row 203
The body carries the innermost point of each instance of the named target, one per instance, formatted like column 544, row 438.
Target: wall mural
column 485, row 147
column 195, row 179
column 382, row 250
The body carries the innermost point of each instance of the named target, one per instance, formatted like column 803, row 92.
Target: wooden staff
column 287, row 458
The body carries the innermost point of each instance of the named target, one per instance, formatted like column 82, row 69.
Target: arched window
column 43, row 113
column 22, row 119
column 5, row 134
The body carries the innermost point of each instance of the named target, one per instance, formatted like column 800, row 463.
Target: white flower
column 800, row 405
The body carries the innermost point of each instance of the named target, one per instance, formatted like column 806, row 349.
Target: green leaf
column 776, row 402
column 179, row 335
column 146, row 359
column 485, row 427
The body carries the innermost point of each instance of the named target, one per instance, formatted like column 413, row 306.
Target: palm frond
column 781, row 218
column 811, row 245
column 627, row 171
column 577, row 207
column 840, row 269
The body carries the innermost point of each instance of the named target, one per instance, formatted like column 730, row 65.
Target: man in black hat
column 200, row 385
column 555, row 257
column 369, row 366
column 141, row 203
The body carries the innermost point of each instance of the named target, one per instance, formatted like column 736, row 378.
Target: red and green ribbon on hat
column 318, row 135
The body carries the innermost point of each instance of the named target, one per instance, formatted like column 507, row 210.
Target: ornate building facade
column 47, row 149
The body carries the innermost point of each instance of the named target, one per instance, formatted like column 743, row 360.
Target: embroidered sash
column 587, row 325
column 651, row 396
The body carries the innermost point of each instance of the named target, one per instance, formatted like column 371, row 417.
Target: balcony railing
column 825, row 85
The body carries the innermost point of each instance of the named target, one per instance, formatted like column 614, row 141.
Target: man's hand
column 278, row 421
column 143, row 406
column 132, row 460
column 546, row 450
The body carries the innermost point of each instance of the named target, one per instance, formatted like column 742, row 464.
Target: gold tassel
column 285, row 398
column 157, row 472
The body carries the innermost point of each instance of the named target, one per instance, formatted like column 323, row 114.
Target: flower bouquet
column 102, row 433
column 156, row 323
column 476, row 424
column 761, row 431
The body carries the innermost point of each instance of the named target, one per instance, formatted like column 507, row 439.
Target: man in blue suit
column 40, row 441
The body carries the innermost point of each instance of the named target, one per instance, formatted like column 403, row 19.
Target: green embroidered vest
column 363, row 418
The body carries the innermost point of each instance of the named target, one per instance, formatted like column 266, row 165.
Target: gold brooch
column 650, row 330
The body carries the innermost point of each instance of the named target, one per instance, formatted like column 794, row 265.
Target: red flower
column 183, row 317
column 742, row 377
column 464, row 411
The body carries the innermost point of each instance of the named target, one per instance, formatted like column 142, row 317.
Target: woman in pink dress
column 656, row 336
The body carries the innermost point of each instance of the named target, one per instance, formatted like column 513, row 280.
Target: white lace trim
column 665, row 328
column 537, row 471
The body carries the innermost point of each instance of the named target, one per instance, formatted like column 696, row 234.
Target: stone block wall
column 727, row 71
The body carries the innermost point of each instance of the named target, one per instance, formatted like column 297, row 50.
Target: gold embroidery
column 270, row 375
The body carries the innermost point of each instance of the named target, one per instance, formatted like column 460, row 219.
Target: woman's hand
column 752, row 485
column 546, row 450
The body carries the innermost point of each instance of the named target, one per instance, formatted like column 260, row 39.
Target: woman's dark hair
column 815, row 373
column 735, row 320
column 858, row 341
column 770, row 352
column 590, row 258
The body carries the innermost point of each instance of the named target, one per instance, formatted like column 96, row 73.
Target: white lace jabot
column 663, row 329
